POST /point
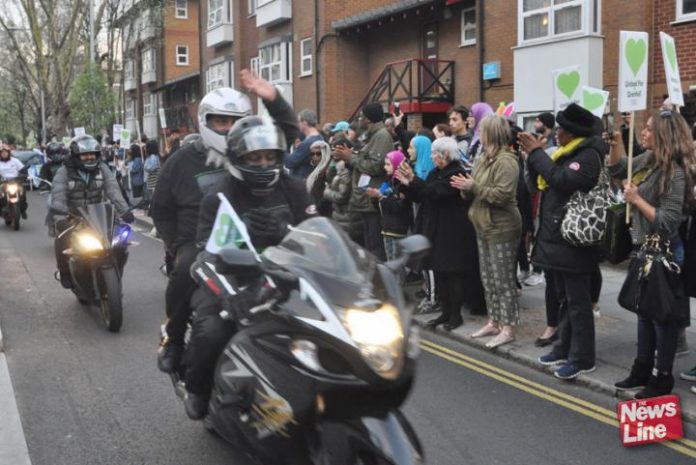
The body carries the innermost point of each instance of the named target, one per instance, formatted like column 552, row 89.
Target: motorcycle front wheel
column 15, row 217
column 111, row 299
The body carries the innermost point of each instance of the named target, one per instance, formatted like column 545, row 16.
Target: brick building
column 160, row 64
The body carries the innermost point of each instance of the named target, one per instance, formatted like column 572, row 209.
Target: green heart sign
column 635, row 52
column 591, row 100
column 671, row 54
column 568, row 83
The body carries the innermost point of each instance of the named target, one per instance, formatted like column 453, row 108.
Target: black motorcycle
column 11, row 203
column 97, row 257
column 317, row 372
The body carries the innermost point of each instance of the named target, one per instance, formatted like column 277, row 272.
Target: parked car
column 31, row 157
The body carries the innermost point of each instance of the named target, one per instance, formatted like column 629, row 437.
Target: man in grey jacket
column 368, row 171
column 82, row 180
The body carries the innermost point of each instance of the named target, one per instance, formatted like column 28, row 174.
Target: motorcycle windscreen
column 319, row 250
column 100, row 217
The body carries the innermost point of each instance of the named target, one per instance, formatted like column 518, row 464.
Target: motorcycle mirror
column 239, row 262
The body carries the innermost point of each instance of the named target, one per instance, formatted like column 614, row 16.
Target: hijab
column 479, row 111
column 395, row 158
column 424, row 164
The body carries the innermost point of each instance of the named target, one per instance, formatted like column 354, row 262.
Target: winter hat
column 547, row 119
column 374, row 112
column 395, row 158
column 576, row 120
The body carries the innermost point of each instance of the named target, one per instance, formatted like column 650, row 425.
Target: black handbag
column 616, row 245
column 653, row 287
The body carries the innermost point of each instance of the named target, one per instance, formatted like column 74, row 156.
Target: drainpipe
column 481, row 47
column 317, row 89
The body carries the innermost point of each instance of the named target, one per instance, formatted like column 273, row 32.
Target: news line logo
column 648, row 421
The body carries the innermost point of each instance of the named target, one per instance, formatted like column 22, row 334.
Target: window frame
column 223, row 77
column 303, row 58
column 149, row 104
column 128, row 69
column 178, row 9
column 213, row 13
column 587, row 12
column 251, row 7
column 178, row 55
column 463, row 41
column 284, row 63
column 152, row 61
column 679, row 13
column 130, row 113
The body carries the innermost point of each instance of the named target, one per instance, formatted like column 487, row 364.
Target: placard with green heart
column 568, row 83
column 594, row 100
column 635, row 52
column 671, row 54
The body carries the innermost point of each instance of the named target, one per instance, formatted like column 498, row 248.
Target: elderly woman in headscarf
column 478, row 112
column 316, row 181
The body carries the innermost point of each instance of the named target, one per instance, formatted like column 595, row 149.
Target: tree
column 91, row 100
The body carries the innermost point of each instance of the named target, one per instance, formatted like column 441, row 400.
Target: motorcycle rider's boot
column 169, row 355
column 64, row 279
column 196, row 406
column 23, row 213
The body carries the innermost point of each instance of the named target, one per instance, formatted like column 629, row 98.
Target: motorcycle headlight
column 88, row 242
column 12, row 189
column 379, row 335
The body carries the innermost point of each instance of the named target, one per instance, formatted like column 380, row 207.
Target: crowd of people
column 490, row 197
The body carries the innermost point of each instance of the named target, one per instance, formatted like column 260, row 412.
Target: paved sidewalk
column 615, row 341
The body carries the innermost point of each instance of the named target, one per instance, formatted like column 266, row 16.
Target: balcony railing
column 420, row 86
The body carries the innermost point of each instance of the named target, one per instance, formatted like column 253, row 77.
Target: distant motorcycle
column 12, row 192
column 317, row 372
column 98, row 255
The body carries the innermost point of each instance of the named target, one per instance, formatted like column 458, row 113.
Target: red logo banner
column 649, row 421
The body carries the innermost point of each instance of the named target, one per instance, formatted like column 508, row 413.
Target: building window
column 216, row 12
column 468, row 26
column 149, row 60
column 130, row 108
column 148, row 104
column 254, row 65
column 686, row 9
column 182, row 55
column 543, row 19
column 181, row 9
column 306, row 57
column 128, row 71
column 252, row 7
column 274, row 62
column 217, row 76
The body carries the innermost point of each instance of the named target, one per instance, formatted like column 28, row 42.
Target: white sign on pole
column 566, row 87
column 594, row 100
column 163, row 119
column 633, row 71
column 669, row 58
column 117, row 131
column 137, row 130
column 79, row 131
column 125, row 138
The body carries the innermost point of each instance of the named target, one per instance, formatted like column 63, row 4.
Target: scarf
column 424, row 163
column 567, row 149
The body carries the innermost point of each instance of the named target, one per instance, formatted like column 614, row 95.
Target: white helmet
column 222, row 101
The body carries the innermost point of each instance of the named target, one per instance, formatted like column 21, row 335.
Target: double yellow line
column 583, row 407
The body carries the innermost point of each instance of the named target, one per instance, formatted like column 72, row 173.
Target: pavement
column 615, row 338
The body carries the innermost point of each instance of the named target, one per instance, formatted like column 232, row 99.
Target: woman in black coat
column 443, row 220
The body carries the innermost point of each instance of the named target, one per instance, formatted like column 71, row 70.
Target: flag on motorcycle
column 229, row 229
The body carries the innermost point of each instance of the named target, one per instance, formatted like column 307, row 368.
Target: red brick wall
column 180, row 32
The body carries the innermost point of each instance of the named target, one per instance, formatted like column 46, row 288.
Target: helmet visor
column 220, row 124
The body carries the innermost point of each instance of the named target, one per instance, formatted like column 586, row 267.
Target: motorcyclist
column 10, row 168
column 268, row 200
column 55, row 154
column 193, row 169
column 83, row 179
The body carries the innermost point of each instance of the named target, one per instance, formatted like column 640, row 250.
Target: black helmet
column 252, row 134
column 81, row 145
column 55, row 151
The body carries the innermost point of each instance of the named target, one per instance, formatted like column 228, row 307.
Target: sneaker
column 534, row 279
column 169, row 356
column 596, row 312
column 551, row 359
column 688, row 375
column 522, row 275
column 426, row 306
column 571, row 371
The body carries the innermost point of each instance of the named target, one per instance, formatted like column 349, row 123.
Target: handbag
column 585, row 220
column 616, row 245
column 652, row 287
